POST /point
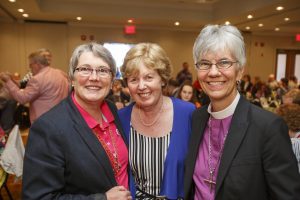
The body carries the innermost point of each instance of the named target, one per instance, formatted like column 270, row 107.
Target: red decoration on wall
column 83, row 37
column 92, row 37
column 262, row 44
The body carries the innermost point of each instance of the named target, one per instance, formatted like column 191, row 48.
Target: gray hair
column 37, row 57
column 98, row 50
column 213, row 38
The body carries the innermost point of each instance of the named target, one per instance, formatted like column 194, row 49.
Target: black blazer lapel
column 236, row 133
column 199, row 120
column 91, row 141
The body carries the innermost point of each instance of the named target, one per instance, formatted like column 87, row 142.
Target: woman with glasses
column 157, row 127
column 77, row 149
column 237, row 150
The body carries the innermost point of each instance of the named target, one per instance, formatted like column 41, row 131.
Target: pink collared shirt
column 108, row 123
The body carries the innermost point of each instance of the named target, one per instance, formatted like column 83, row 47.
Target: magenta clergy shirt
column 219, row 130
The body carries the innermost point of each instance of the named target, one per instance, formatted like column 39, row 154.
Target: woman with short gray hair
column 237, row 150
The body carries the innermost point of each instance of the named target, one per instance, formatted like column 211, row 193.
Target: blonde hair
column 152, row 56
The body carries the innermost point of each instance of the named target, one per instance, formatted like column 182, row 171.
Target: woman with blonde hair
column 157, row 127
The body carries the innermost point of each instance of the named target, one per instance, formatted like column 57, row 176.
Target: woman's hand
column 118, row 193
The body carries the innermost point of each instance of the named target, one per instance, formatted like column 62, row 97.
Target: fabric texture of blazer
column 64, row 159
column 172, row 183
column 257, row 161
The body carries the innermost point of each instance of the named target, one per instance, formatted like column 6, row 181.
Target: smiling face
column 220, row 85
column 145, row 87
column 91, row 89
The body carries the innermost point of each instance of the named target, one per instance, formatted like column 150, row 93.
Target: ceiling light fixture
column 227, row 23
column 25, row 15
column 279, row 8
column 130, row 21
column 177, row 23
column 260, row 25
column 79, row 18
column 247, row 27
column 286, row 19
column 277, row 29
column 20, row 10
column 13, row 1
column 250, row 16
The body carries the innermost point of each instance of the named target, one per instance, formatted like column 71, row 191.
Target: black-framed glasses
column 222, row 64
column 87, row 71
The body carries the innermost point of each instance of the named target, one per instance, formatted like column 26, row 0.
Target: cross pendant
column 210, row 181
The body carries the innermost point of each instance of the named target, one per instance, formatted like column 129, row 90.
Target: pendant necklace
column 210, row 181
column 156, row 117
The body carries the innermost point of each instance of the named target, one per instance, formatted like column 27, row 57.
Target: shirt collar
column 227, row 111
column 91, row 122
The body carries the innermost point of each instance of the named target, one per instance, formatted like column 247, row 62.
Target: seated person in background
column 200, row 95
column 186, row 93
column 172, row 88
column 118, row 95
column 246, row 85
column 7, row 110
column 292, row 96
column 291, row 115
column 184, row 74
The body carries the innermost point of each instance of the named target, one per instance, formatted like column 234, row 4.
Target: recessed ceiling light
column 250, row 16
column 12, row 1
column 79, row 18
column 25, row 15
column 177, row 23
column 286, row 19
column 130, row 21
column 260, row 25
column 227, row 22
column 20, row 10
column 279, row 8
column 247, row 27
column 277, row 29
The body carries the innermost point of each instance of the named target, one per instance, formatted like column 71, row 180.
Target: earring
column 238, row 82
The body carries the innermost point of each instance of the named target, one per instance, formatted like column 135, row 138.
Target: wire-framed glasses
column 87, row 71
column 222, row 64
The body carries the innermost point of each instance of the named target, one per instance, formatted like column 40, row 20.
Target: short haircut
column 98, row 50
column 152, row 56
column 214, row 38
column 37, row 57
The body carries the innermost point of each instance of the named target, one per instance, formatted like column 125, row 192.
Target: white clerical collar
column 227, row 111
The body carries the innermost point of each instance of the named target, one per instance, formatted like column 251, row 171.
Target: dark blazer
column 257, row 161
column 64, row 159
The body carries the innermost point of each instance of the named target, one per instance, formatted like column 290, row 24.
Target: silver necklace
column 210, row 180
column 156, row 117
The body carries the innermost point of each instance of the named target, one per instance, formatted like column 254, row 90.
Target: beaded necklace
column 112, row 155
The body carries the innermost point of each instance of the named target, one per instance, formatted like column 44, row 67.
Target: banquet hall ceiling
column 161, row 14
